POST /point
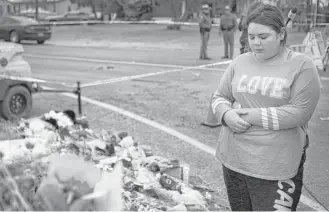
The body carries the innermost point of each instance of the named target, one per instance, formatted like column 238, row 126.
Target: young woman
column 265, row 100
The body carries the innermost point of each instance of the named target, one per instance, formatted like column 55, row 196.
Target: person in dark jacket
column 205, row 28
column 244, row 29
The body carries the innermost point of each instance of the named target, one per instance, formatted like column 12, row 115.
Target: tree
column 95, row 5
column 137, row 9
column 182, row 9
column 174, row 4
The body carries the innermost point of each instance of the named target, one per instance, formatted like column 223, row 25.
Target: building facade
column 56, row 6
column 6, row 8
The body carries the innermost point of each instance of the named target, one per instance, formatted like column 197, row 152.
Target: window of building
column 8, row 9
column 1, row 13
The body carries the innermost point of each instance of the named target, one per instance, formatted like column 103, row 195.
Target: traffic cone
column 211, row 120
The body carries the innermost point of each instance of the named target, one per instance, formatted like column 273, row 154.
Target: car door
column 72, row 17
column 84, row 16
column 2, row 27
column 5, row 24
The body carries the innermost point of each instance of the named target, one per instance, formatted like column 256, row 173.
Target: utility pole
column 316, row 12
column 153, row 8
column 37, row 9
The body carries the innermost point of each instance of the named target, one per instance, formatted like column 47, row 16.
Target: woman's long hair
column 270, row 16
column 250, row 9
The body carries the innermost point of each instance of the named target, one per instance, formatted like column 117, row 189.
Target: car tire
column 40, row 41
column 17, row 103
column 14, row 37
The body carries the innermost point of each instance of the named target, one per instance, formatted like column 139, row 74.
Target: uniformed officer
column 227, row 27
column 205, row 28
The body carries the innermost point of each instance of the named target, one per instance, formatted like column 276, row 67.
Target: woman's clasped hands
column 233, row 119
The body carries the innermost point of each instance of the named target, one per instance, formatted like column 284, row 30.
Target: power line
column 37, row 9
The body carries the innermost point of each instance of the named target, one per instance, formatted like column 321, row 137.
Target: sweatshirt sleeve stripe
column 265, row 118
column 275, row 118
column 217, row 102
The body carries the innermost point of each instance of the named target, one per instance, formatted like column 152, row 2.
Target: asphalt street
column 71, row 64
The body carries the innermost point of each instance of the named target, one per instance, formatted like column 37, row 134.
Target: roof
column 33, row 1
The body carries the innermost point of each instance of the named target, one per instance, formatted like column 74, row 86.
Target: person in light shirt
column 264, row 101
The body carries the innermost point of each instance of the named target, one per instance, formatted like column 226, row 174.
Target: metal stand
column 77, row 92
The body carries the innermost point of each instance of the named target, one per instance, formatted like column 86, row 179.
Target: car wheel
column 17, row 103
column 14, row 37
column 40, row 41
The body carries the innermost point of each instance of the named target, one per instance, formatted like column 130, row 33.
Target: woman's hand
column 235, row 122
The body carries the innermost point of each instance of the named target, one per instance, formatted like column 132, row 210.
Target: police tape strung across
column 166, row 22
column 29, row 79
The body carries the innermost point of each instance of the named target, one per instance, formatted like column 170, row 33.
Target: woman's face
column 264, row 41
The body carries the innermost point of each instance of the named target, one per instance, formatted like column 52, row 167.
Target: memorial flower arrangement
column 61, row 164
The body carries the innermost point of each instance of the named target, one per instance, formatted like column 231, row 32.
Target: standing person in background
column 227, row 26
column 244, row 29
column 265, row 100
column 205, row 28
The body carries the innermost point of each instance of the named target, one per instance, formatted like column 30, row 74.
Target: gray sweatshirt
column 282, row 98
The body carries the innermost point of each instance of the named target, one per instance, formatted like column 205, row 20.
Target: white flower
column 28, row 132
column 64, row 121
column 127, row 142
column 21, row 125
column 51, row 114
column 56, row 145
column 46, row 116
column 100, row 166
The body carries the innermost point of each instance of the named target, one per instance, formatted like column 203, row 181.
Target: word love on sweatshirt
column 266, row 86
column 288, row 91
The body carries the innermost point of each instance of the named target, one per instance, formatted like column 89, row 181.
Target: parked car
column 15, row 95
column 71, row 16
column 18, row 28
column 41, row 16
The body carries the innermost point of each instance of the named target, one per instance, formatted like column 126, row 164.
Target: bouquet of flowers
column 71, row 167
